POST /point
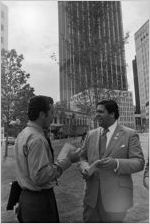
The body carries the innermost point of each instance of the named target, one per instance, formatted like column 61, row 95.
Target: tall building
column 137, row 95
column 136, row 86
column 91, row 51
column 4, row 26
column 142, row 57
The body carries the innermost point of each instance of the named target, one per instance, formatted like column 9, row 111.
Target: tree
column 15, row 91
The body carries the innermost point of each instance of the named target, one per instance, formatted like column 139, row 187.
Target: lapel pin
column 122, row 146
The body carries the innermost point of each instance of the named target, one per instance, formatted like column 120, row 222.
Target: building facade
column 142, row 57
column 69, row 123
column 4, row 26
column 91, row 49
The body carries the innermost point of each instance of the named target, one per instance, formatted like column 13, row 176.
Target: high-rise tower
column 136, row 86
column 91, row 47
column 142, row 57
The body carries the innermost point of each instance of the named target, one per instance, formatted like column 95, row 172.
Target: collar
column 113, row 126
column 35, row 125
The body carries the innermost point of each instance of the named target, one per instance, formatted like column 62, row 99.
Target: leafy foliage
column 15, row 91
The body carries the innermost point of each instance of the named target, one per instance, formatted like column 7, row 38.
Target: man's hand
column 63, row 165
column 146, row 182
column 85, row 174
column 74, row 155
column 107, row 163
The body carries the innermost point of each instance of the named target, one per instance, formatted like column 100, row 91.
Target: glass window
column 2, row 14
column 2, row 27
column 2, row 40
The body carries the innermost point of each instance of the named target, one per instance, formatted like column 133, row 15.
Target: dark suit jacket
column 116, row 188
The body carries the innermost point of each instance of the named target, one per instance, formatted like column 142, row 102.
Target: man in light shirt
column 117, row 153
column 36, row 171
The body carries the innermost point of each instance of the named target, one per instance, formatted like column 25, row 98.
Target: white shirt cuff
column 116, row 169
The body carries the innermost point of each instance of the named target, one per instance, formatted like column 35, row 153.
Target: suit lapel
column 99, row 130
column 96, row 144
column 114, row 139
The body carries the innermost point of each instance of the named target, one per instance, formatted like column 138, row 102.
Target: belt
column 40, row 191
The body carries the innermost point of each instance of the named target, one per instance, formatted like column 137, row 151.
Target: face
column 104, row 118
column 48, row 118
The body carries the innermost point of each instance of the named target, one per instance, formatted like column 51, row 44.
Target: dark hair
column 38, row 104
column 111, row 106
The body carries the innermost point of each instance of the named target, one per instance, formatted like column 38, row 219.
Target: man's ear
column 42, row 115
column 112, row 115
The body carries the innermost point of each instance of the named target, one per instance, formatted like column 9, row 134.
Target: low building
column 69, row 123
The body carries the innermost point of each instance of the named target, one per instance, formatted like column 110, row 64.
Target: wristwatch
column 59, row 169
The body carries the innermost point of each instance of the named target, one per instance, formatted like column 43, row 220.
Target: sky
column 33, row 32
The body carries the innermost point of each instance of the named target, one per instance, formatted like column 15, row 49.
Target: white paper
column 93, row 167
column 64, row 153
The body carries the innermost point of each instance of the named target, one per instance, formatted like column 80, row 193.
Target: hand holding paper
column 94, row 166
column 68, row 154
column 107, row 163
column 74, row 154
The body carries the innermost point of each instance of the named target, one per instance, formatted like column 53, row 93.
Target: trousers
column 37, row 207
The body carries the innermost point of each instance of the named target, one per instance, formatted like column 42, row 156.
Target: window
column 2, row 27
column 2, row 40
column 2, row 14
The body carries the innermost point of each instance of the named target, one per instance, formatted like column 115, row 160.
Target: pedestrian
column 36, row 171
column 116, row 152
column 83, row 137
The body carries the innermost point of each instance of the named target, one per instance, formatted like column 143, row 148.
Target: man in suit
column 109, row 190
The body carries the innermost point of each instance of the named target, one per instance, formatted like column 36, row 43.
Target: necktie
column 49, row 142
column 103, row 141
column 52, row 151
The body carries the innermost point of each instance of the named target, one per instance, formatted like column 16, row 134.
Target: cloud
column 135, row 14
column 33, row 32
column 44, row 78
